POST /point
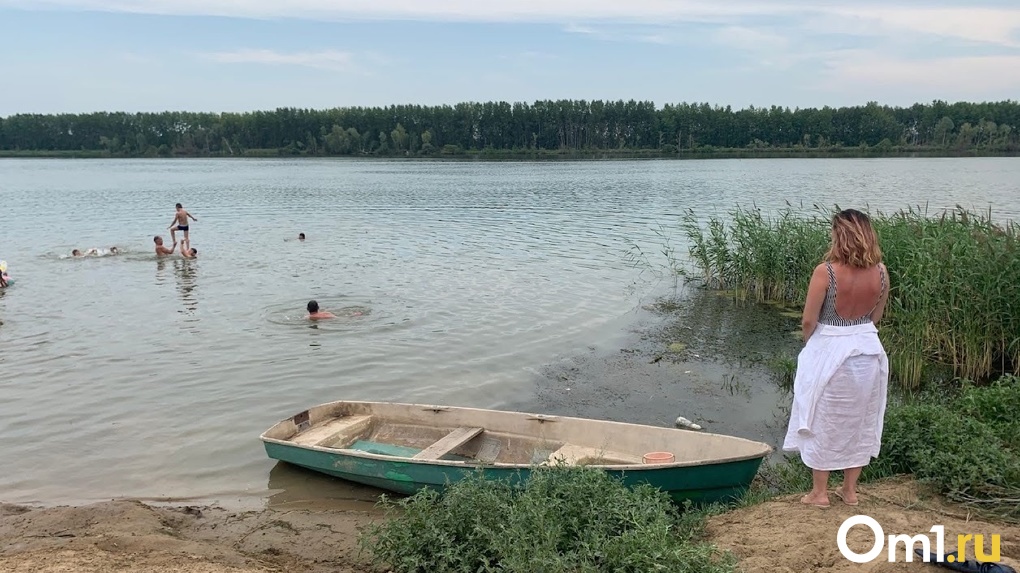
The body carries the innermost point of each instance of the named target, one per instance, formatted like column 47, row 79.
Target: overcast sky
column 238, row 55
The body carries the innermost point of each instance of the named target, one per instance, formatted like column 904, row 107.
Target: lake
column 137, row 377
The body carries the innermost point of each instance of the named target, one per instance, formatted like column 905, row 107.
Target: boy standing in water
column 180, row 223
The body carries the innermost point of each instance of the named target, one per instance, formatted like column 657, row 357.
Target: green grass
column 569, row 519
column 964, row 443
column 955, row 280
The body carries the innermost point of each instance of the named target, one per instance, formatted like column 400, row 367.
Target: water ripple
column 136, row 376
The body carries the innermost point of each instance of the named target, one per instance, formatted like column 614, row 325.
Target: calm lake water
column 132, row 376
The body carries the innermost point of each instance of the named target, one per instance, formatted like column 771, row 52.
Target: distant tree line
column 501, row 127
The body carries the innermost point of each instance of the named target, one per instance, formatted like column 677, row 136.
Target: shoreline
column 134, row 536
column 552, row 155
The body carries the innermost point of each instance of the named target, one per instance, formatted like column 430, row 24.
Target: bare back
column 853, row 294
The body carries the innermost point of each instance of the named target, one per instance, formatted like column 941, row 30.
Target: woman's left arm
column 813, row 302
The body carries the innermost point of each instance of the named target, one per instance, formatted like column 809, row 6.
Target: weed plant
column 570, row 519
column 955, row 279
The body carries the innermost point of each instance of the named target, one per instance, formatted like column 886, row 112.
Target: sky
column 242, row 55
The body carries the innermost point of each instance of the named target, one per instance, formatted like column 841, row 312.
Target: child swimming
column 94, row 252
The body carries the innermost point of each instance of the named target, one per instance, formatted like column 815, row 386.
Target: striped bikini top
column 828, row 314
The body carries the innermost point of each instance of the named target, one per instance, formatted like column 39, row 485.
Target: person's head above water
column 76, row 253
column 158, row 240
column 315, row 314
column 179, row 206
column 301, row 236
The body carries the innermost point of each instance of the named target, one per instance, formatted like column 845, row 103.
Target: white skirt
column 848, row 433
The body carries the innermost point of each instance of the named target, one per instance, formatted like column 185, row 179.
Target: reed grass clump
column 955, row 279
column 562, row 519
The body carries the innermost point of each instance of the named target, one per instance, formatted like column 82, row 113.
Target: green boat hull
column 703, row 483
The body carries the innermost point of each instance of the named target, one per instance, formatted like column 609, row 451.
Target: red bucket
column 658, row 458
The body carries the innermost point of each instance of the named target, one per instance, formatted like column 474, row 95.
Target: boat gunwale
column 766, row 449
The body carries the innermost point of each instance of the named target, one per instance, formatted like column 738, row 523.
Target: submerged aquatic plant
column 955, row 279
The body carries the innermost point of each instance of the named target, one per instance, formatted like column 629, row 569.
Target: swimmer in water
column 94, row 252
column 160, row 249
column 189, row 253
column 300, row 236
column 315, row 314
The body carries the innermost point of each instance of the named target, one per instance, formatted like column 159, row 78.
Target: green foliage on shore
column 955, row 280
column 563, row 519
column 543, row 129
column 965, row 444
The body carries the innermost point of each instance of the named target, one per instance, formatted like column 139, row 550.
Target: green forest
column 544, row 128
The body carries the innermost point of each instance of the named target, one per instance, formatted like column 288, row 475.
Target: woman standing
column 839, row 393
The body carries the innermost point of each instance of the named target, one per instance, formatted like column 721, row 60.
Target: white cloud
column 750, row 39
column 323, row 60
column 973, row 23
column 981, row 77
column 578, row 29
column 446, row 10
column 984, row 25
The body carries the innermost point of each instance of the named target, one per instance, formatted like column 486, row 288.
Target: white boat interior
column 454, row 435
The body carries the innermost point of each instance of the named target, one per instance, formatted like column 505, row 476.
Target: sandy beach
column 777, row 536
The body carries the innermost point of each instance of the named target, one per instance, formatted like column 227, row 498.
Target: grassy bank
column 955, row 280
column 964, row 443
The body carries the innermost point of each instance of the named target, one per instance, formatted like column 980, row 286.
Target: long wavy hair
column 854, row 241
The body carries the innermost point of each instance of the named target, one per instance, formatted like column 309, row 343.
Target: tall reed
column 954, row 276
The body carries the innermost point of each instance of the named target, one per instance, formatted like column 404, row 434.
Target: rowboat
column 404, row 448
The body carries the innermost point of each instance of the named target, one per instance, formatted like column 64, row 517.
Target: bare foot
column 848, row 498
column 817, row 501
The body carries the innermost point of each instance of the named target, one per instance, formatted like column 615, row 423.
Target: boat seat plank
column 447, row 444
column 571, row 454
column 322, row 434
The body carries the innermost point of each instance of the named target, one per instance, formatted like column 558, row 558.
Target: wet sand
column 775, row 537
column 132, row 536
